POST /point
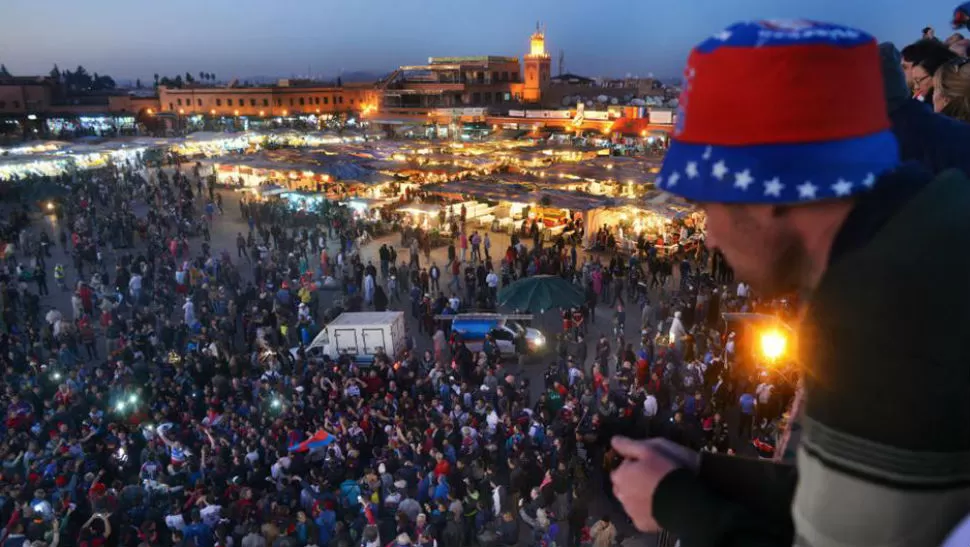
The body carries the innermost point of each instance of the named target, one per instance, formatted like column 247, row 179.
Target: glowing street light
column 213, row 112
column 773, row 344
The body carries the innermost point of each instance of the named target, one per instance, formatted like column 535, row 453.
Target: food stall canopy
column 29, row 149
column 346, row 170
column 213, row 136
column 421, row 208
column 489, row 191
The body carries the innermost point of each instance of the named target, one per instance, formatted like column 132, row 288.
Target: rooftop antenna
column 537, row 26
column 562, row 61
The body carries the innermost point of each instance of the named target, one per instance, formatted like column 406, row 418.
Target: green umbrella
column 540, row 293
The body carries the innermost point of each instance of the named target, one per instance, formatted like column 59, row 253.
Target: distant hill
column 361, row 76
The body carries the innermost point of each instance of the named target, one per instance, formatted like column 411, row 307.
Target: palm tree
column 201, row 75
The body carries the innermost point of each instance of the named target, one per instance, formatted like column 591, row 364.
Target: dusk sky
column 247, row 38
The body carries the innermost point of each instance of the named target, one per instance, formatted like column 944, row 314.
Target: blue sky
column 247, row 38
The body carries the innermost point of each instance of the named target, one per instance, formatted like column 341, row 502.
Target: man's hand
column 645, row 464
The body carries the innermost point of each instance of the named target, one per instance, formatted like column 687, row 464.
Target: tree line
column 179, row 81
column 80, row 80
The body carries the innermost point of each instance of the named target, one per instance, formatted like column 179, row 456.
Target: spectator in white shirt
column 650, row 407
column 742, row 290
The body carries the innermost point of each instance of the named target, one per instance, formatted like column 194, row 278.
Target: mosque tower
column 537, row 67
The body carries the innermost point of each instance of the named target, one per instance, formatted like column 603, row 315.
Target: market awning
column 630, row 126
column 510, row 133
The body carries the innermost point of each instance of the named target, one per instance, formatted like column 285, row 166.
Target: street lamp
column 773, row 345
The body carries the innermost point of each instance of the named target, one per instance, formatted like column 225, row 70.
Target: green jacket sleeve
column 730, row 502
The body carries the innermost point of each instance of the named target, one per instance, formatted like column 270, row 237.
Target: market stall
column 81, row 156
column 210, row 144
column 663, row 220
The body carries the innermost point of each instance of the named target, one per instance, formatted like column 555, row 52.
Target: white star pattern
column 774, row 187
column 659, row 181
column 743, row 179
column 723, row 36
column 807, row 190
column 719, row 170
column 707, row 153
column 869, row 180
column 672, row 179
column 691, row 170
column 842, row 187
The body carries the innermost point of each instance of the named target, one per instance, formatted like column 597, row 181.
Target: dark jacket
column 883, row 336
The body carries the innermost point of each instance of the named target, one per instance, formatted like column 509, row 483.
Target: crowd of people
column 173, row 401
column 165, row 405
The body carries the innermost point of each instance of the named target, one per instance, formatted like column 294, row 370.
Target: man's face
column 759, row 244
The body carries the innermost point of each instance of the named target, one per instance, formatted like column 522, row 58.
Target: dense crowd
column 166, row 406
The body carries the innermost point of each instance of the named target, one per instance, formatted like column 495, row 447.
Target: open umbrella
column 540, row 293
column 320, row 439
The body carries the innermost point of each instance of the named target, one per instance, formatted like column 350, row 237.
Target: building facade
column 284, row 99
column 452, row 82
column 467, row 82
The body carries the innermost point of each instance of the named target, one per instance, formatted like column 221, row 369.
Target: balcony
column 422, row 87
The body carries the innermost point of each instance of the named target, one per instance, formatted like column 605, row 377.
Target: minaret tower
column 537, row 67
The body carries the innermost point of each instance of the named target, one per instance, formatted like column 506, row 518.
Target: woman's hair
column 936, row 58
column 952, row 81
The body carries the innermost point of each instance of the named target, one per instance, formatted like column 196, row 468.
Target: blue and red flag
column 320, row 439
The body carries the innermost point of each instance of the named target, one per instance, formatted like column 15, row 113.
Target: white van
column 360, row 334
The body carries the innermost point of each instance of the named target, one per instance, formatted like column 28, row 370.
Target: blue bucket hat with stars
column 780, row 112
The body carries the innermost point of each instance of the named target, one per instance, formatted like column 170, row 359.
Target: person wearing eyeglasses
column 919, row 60
column 922, row 73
